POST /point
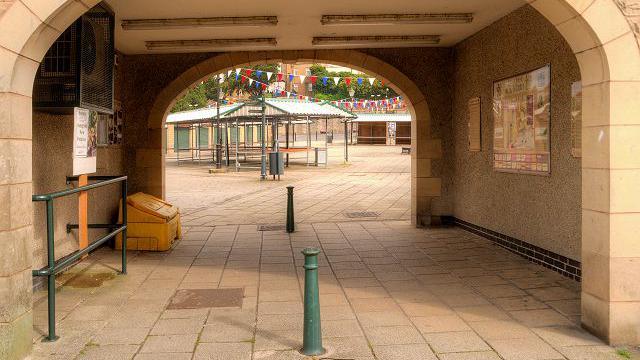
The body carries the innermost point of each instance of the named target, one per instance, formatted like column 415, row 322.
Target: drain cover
column 270, row 227
column 206, row 298
column 361, row 214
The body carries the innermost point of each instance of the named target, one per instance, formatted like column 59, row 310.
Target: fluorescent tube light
column 209, row 43
column 161, row 24
column 395, row 19
column 377, row 40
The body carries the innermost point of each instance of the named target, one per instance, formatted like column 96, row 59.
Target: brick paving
column 387, row 291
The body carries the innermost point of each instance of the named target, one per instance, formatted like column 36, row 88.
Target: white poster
column 84, row 141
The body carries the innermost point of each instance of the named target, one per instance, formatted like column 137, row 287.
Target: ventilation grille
column 78, row 68
column 361, row 214
column 271, row 227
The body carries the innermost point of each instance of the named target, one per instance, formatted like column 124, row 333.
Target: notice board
column 522, row 113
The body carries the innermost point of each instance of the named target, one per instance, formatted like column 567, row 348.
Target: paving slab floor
column 387, row 290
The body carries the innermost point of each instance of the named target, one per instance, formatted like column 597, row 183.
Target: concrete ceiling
column 298, row 21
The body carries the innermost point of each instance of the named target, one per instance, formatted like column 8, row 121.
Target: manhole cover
column 270, row 227
column 362, row 214
column 206, row 298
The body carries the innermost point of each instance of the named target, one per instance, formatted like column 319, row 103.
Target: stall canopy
column 275, row 108
column 378, row 117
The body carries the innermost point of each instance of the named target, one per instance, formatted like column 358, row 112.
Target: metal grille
column 96, row 76
column 78, row 68
column 271, row 227
column 361, row 214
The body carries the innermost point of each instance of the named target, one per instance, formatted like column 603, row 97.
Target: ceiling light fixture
column 377, row 40
column 162, row 24
column 395, row 19
column 209, row 44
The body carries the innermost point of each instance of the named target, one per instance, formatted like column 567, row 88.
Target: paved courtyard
column 387, row 290
column 377, row 179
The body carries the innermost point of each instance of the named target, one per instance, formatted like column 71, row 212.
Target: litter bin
column 152, row 224
column 276, row 163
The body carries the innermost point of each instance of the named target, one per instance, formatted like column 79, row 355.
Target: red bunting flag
column 248, row 72
column 280, row 75
column 244, row 78
column 347, row 81
column 314, row 79
column 300, row 97
column 264, row 86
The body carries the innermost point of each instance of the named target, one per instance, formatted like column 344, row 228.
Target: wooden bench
column 406, row 150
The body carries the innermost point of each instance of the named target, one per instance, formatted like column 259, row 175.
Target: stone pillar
column 611, row 215
column 16, row 226
column 424, row 186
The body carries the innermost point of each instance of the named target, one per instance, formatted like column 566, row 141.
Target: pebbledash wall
column 544, row 211
column 52, row 163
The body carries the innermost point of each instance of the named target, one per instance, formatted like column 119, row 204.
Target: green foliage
column 208, row 89
column 331, row 91
column 624, row 353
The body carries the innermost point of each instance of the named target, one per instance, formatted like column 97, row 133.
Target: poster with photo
column 521, row 113
column 85, row 142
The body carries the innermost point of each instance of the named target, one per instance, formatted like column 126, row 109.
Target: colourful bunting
column 347, row 81
column 280, row 75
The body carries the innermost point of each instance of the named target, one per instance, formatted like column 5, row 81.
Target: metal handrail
column 54, row 267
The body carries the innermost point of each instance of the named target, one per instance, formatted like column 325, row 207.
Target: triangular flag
column 314, row 79
column 229, row 73
column 302, row 77
column 336, row 80
column 221, row 78
column 300, row 97
column 324, row 80
column 238, row 71
column 347, row 81
column 258, row 74
column 371, row 80
column 269, row 75
column 280, row 76
column 288, row 94
column 248, row 72
column 250, row 81
column 264, row 86
column 244, row 78
column 237, row 76
column 360, row 81
column 290, row 77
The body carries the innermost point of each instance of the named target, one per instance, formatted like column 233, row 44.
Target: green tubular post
column 291, row 224
column 312, row 337
column 124, row 231
column 51, row 277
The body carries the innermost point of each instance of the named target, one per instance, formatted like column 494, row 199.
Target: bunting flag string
column 348, row 80
column 391, row 103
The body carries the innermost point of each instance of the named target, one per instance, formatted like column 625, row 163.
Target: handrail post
column 124, row 231
column 51, row 276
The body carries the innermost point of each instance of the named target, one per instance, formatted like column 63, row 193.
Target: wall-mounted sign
column 521, row 110
column 576, row 119
column 475, row 126
column 84, row 141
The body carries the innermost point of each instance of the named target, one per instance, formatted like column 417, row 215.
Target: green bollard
column 312, row 337
column 291, row 225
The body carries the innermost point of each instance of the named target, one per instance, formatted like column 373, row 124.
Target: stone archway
column 424, row 186
column 601, row 34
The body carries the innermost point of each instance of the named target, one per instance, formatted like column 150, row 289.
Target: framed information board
column 522, row 114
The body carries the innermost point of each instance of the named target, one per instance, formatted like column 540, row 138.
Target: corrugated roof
column 376, row 117
column 201, row 114
column 308, row 108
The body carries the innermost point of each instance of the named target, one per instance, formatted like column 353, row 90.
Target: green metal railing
column 54, row 267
